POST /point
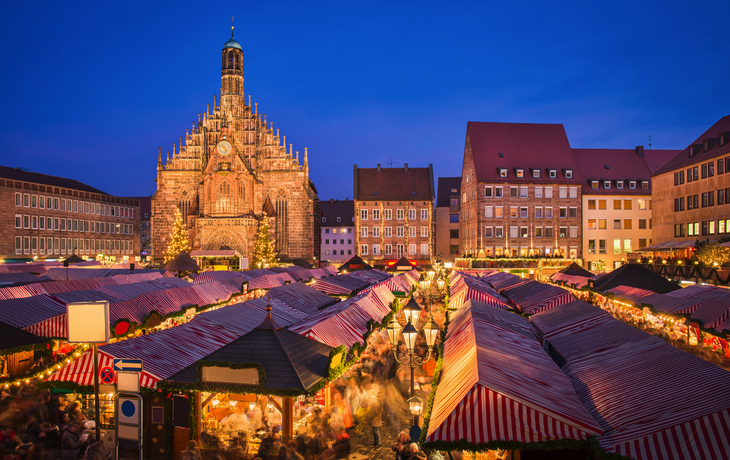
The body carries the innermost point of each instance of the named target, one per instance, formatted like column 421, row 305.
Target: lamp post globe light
column 412, row 313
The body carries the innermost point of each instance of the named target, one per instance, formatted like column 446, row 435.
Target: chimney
column 378, row 167
column 405, row 165
column 332, row 202
column 640, row 150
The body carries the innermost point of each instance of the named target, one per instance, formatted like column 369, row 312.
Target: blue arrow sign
column 121, row 364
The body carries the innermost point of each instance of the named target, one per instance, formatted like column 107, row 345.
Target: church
column 232, row 169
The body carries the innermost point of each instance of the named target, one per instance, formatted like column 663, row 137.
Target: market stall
column 651, row 400
column 534, row 297
column 268, row 365
column 499, row 389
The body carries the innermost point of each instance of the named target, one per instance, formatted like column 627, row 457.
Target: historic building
column 691, row 193
column 617, row 205
column 49, row 217
column 520, row 191
column 338, row 236
column 231, row 169
column 394, row 215
column 447, row 219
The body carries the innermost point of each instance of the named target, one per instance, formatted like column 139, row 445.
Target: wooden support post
column 287, row 417
column 198, row 416
column 327, row 398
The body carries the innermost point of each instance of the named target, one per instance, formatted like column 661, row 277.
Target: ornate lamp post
column 412, row 312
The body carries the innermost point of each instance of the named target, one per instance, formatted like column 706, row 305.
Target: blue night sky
column 90, row 90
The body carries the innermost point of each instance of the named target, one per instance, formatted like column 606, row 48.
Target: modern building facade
column 616, row 202
column 520, row 191
column 447, row 219
column 691, row 192
column 232, row 169
column 49, row 217
column 394, row 214
column 338, row 230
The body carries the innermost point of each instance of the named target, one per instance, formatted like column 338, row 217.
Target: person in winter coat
column 70, row 442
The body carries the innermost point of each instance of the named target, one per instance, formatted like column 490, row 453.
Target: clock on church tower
column 224, row 149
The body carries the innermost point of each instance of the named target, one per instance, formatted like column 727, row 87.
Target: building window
column 548, row 192
column 642, row 224
column 411, row 214
column 498, row 212
column 363, row 214
column 573, row 212
column 424, row 232
column 399, row 232
column 18, row 221
column 376, row 250
column 591, row 246
column 411, row 231
column 607, row 184
column 412, row 249
column 568, row 173
column 536, row 173
column 26, row 200
column 499, row 232
column 388, row 214
column 513, row 212
column 523, row 212
column 601, row 246
column 523, row 192
column 548, row 212
column 26, row 222
column 601, row 204
column 563, row 213
column 538, row 213
column 502, row 172
column 616, row 204
column 552, row 173
column 524, row 233
column 514, row 231
column 424, row 249
column 563, row 232
column 488, row 232
column 376, row 233
column 388, row 249
column 632, row 184
column 513, row 192
column 364, row 249
column 627, row 245
column 538, row 192
column 376, row 214
column 18, row 199
column 617, row 246
column 645, row 184
column 364, row 232
column 563, row 192
column 520, row 172
column 627, row 224
column 548, row 232
column 619, row 184
column 454, row 218
column 591, row 224
column 573, row 192
column 498, row 192
column 487, row 193
column 424, row 214
column 617, row 224
column 538, row 232
column 594, row 184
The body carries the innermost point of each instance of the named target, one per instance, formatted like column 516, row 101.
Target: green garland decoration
column 31, row 347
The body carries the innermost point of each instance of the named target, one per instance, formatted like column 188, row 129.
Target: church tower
column 232, row 74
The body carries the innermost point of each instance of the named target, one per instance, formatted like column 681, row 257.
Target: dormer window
column 520, row 172
column 552, row 173
column 453, row 190
column 594, row 184
column 607, row 184
column 568, row 173
column 632, row 184
column 502, row 172
column 324, row 219
column 619, row 184
column 645, row 184
column 339, row 219
column 536, row 173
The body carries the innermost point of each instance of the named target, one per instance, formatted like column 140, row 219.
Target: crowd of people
column 38, row 425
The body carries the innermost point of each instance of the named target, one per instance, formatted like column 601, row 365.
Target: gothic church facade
column 231, row 170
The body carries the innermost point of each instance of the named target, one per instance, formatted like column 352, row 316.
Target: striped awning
column 652, row 400
column 498, row 384
column 534, row 297
column 472, row 289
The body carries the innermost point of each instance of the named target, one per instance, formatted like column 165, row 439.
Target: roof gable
column 376, row 184
column 695, row 152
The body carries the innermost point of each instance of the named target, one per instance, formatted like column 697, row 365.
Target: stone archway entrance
column 223, row 238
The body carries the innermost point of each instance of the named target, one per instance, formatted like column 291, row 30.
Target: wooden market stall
column 270, row 365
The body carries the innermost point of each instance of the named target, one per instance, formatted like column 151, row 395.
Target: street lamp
column 412, row 312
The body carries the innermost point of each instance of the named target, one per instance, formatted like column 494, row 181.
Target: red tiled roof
column 523, row 145
column 623, row 164
column 684, row 159
column 377, row 184
column 446, row 184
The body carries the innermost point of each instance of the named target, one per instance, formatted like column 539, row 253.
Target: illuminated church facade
column 229, row 171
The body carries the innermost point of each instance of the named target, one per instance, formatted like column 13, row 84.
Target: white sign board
column 88, row 322
column 248, row 376
column 128, row 410
column 128, row 432
column 128, row 382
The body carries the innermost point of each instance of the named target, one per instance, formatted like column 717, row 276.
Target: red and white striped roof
column 468, row 288
column 346, row 323
column 629, row 293
column 498, row 384
column 652, row 400
column 534, row 297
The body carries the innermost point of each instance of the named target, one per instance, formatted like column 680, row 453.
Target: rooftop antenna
column 391, row 162
column 649, row 141
column 232, row 26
